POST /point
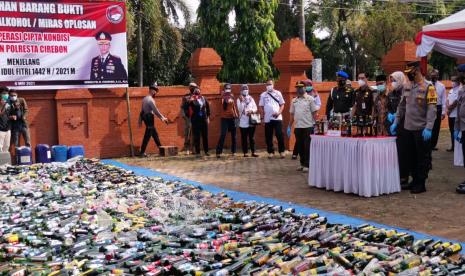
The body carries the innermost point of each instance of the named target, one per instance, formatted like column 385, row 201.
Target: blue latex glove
column 391, row 117
column 393, row 129
column 426, row 134
column 456, row 135
column 289, row 131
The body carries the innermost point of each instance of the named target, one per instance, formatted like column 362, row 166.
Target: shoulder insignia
column 432, row 96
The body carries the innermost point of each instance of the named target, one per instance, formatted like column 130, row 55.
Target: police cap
column 103, row 37
column 411, row 65
column 342, row 74
column 299, row 84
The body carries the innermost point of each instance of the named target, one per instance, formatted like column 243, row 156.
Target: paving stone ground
column 439, row 211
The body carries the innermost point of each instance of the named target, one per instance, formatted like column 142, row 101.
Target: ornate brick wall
column 98, row 118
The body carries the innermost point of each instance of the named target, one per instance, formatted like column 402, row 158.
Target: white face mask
column 361, row 83
column 269, row 87
column 395, row 84
column 227, row 91
column 245, row 93
column 14, row 98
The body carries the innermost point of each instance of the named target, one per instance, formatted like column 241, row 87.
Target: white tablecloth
column 363, row 166
column 458, row 156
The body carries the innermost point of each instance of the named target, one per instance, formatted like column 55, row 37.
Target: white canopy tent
column 446, row 36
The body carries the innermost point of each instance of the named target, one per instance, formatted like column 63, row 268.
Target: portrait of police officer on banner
column 106, row 66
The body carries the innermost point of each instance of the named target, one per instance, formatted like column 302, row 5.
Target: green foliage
column 247, row 48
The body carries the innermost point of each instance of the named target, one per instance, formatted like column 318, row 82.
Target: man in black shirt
column 341, row 98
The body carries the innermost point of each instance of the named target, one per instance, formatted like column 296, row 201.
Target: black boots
column 418, row 186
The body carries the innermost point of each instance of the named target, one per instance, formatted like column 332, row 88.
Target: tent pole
column 424, row 65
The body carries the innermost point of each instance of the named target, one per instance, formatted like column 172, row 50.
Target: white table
column 363, row 166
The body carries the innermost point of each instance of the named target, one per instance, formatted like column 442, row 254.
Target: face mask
column 411, row 76
column 269, row 87
column 341, row 83
column 361, row 83
column 245, row 92
column 381, row 88
column 14, row 98
column 309, row 89
column 5, row 97
column 227, row 91
column 395, row 85
column 455, row 84
column 434, row 79
column 300, row 91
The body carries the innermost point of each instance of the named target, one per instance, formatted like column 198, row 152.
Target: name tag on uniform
column 363, row 106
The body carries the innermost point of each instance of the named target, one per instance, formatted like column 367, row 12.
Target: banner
column 63, row 44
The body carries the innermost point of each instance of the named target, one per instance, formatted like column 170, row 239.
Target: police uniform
column 340, row 100
column 417, row 108
column 302, row 109
column 364, row 101
column 108, row 67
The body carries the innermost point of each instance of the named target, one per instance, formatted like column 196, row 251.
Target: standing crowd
column 406, row 104
column 13, row 120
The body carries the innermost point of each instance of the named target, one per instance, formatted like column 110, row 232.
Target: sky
column 193, row 4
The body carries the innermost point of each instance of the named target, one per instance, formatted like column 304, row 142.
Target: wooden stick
column 129, row 123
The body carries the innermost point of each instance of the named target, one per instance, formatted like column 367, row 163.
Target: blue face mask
column 381, row 87
column 5, row 97
column 309, row 89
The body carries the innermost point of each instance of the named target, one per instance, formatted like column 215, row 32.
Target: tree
column 335, row 16
column 155, row 39
column 388, row 24
column 246, row 48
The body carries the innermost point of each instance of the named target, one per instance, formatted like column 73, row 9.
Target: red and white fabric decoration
column 446, row 36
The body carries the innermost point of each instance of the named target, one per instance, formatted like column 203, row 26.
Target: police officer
column 460, row 120
column 418, row 109
column 341, row 98
column 364, row 103
column 147, row 115
column 303, row 111
column 186, row 117
column 106, row 66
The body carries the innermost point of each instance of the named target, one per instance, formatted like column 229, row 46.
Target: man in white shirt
column 441, row 107
column 303, row 111
column 451, row 104
column 271, row 108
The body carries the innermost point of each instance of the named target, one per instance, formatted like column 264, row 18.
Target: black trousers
column 302, row 141
column 462, row 140
column 451, row 130
column 275, row 126
column 295, row 151
column 227, row 124
column 200, row 129
column 248, row 137
column 436, row 127
column 402, row 148
column 150, row 131
column 417, row 156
